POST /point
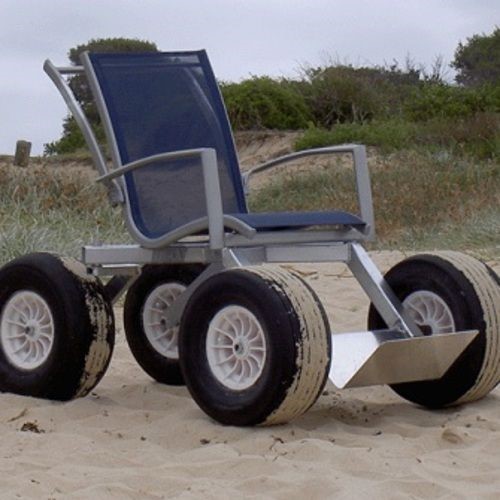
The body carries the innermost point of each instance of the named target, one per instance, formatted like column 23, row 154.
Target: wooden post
column 22, row 156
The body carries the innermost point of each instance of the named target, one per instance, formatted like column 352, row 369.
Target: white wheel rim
column 430, row 312
column 154, row 318
column 27, row 330
column 236, row 347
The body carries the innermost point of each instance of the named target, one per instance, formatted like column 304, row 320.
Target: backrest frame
column 115, row 191
column 116, row 157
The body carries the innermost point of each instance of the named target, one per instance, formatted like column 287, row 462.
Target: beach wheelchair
column 207, row 303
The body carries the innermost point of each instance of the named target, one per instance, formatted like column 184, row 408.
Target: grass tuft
column 54, row 209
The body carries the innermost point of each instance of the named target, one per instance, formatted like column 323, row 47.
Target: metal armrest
column 216, row 218
column 360, row 167
column 134, row 165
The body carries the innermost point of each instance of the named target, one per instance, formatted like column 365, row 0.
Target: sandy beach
column 134, row 438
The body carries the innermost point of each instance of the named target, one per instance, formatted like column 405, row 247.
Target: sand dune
column 134, row 438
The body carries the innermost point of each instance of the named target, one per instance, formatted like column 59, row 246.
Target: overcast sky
column 243, row 38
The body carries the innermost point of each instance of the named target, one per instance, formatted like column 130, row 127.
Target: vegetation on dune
column 264, row 103
column 419, row 198
column 54, row 209
column 390, row 107
column 477, row 135
column 422, row 200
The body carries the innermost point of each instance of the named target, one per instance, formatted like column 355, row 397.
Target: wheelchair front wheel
column 254, row 346
column 56, row 328
column 447, row 292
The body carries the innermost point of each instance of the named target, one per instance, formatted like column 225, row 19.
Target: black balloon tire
column 472, row 292
column 83, row 327
column 298, row 346
column 161, row 368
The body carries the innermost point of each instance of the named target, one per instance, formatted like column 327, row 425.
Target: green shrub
column 477, row 135
column 477, row 61
column 72, row 139
column 262, row 102
column 447, row 101
column 338, row 96
column 388, row 135
column 342, row 93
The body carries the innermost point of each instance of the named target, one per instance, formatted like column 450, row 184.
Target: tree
column 72, row 139
column 478, row 60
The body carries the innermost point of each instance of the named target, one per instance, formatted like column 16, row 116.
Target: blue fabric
column 296, row 220
column 162, row 102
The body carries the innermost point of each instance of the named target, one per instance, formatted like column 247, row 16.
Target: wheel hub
column 33, row 330
column 430, row 312
column 236, row 347
column 27, row 330
column 241, row 348
column 154, row 319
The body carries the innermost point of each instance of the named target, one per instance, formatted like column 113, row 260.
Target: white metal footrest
column 391, row 357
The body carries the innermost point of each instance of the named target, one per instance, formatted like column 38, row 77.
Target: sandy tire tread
column 315, row 348
column 488, row 292
column 474, row 293
column 84, row 327
column 280, row 300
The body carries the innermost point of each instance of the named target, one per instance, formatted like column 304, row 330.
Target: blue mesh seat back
column 164, row 102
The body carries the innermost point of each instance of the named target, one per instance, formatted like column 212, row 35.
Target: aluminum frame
column 367, row 354
column 113, row 257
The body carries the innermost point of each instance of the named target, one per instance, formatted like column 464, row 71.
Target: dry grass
column 419, row 198
column 421, row 201
column 53, row 208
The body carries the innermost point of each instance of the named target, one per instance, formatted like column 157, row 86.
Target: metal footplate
column 391, row 357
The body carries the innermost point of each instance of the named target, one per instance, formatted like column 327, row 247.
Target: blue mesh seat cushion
column 297, row 220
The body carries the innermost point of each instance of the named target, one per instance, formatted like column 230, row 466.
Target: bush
column 477, row 135
column 262, row 102
column 340, row 93
column 478, row 60
column 388, row 135
column 72, row 140
column 446, row 101
column 338, row 96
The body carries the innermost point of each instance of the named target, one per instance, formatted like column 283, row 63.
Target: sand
column 134, row 438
